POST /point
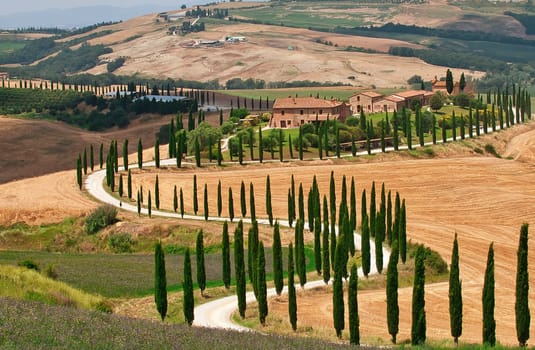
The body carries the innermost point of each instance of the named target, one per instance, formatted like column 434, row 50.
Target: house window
column 282, row 112
column 283, row 123
column 321, row 111
column 301, row 112
column 358, row 108
column 358, row 98
column 302, row 122
column 369, row 108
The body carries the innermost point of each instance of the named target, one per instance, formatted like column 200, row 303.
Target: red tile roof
column 304, row 102
column 371, row 94
column 410, row 93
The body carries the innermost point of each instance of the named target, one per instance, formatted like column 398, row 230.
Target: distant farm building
column 292, row 112
column 161, row 98
column 440, row 86
column 4, row 75
column 373, row 102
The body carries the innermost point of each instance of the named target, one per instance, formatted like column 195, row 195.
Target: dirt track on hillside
column 483, row 199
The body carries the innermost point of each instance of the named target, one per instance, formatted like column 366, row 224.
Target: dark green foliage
column 125, row 154
column 252, row 206
column 338, row 288
column 138, row 204
column 301, row 203
column 353, row 206
column 418, row 329
column 260, row 145
column 243, row 199
column 300, row 259
column 230, row 205
column 181, row 203
column 332, row 203
column 317, row 245
column 100, row 218
column 290, row 208
column 489, row 323
column 101, row 155
column 388, row 234
column 281, row 142
column 175, row 199
column 326, row 266
column 365, row 246
column 252, row 255
column 523, row 317
column 157, row 193
column 277, row 260
column 79, row 172
column 195, row 199
column 240, row 149
column 239, row 267
column 201, row 269
column 206, row 211
column 157, row 152
column 300, row 143
column 402, row 232
column 373, row 210
column 353, row 307
column 449, row 81
column 84, row 161
column 379, row 245
column 292, row 302
column 160, row 280
column 197, row 149
column 139, row 154
column 225, row 256
column 269, row 209
column 392, row 307
column 120, row 191
column 455, row 295
column 261, row 284
column 129, row 184
column 188, row 301
column 219, row 199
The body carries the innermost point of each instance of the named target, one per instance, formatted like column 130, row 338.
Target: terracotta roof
column 410, row 93
column 391, row 98
column 371, row 94
column 304, row 102
column 439, row 83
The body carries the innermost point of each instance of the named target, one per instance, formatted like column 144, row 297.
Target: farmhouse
column 440, row 86
column 292, row 112
column 364, row 101
column 4, row 75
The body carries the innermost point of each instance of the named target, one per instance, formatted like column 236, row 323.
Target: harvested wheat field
column 482, row 198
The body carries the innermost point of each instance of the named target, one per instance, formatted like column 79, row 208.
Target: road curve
column 217, row 313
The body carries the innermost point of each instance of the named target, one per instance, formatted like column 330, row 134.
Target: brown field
column 482, row 198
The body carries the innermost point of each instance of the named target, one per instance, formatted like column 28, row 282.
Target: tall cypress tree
column 243, row 199
column 206, row 210
column 402, row 231
column 84, row 161
column 301, row 203
column 252, row 206
column 261, row 284
column 379, row 244
column 326, row 266
column 392, row 307
column 373, row 210
column 365, row 246
column 353, row 307
column 195, row 199
column 125, row 154
column 260, row 145
column 188, row 301
column 91, row 158
column 197, row 149
column 219, row 199
column 239, row 266
column 332, row 203
column 149, row 205
column 317, row 245
column 160, row 280
column 353, row 205
column 225, row 256
column 157, row 192
column 181, row 203
column 201, row 270
column 120, row 185
column 523, row 317
column 101, row 155
column 79, row 171
column 290, row 207
column 338, row 288
column 489, row 323
column 292, row 302
column 269, row 209
column 418, row 329
column 138, row 204
column 230, row 205
column 300, row 254
column 455, row 295
column 389, row 219
column 252, row 255
column 277, row 260
column 157, row 152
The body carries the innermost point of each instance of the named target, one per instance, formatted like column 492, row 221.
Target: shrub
column 51, row 272
column 490, row 149
column 433, row 261
column 29, row 264
column 121, row 243
column 101, row 217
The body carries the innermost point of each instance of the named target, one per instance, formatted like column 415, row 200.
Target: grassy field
column 8, row 46
column 27, row 325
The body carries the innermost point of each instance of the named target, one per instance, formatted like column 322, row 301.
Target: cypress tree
column 240, row 149
column 418, row 329
column 219, row 199
column 195, row 199
column 353, row 205
column 392, row 307
column 277, row 260
column 269, row 209
column 138, row 204
column 188, row 302
column 353, row 306
column 225, row 256
column 489, row 323
column 160, row 280
column 239, row 266
column 444, row 137
column 293, row 197
column 402, row 228
column 523, row 317
column 281, row 149
column 79, row 171
column 290, row 213
column 301, row 203
column 230, row 205
column 389, row 219
column 453, row 126
column 373, row 211
column 261, row 284
column 310, row 209
column 175, row 199
column 201, row 270
column 252, row 255
column 252, row 205
column 181, row 203
column 125, row 154
column 84, row 161
column 129, row 184
column 379, row 245
column 242, row 200
column 301, row 259
column 206, row 213
column 332, row 203
column 300, row 143
column 326, row 267
column 197, row 150
column 149, row 205
column 101, row 155
column 157, row 193
column 455, row 295
column 157, row 152
column 317, row 245
column 120, row 185
column 292, row 302
column 91, row 158
column 338, row 288
column 290, row 146
column 395, row 140
column 260, row 145
column 219, row 152
column 365, row 246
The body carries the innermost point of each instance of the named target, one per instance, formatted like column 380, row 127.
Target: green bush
column 433, row 261
column 490, row 149
column 121, row 243
column 29, row 264
column 101, row 217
